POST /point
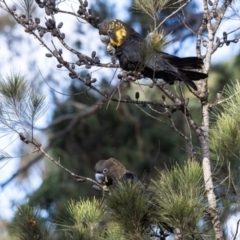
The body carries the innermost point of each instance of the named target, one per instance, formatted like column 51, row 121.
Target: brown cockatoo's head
column 111, row 171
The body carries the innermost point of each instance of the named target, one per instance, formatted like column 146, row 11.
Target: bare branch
column 38, row 147
column 236, row 233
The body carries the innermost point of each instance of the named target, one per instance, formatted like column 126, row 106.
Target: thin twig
column 173, row 13
column 236, row 233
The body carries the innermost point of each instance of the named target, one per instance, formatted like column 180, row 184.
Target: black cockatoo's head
column 108, row 171
column 111, row 171
column 114, row 32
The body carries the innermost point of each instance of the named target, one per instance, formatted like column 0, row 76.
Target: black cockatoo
column 111, row 171
column 133, row 53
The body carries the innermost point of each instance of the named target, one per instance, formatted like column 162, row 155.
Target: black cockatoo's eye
column 105, row 170
column 109, row 32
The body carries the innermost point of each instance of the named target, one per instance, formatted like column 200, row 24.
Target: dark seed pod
column 80, row 11
column 14, row 8
column 47, row 11
column 119, row 76
column 48, row 55
column 204, row 43
column 55, row 33
column 224, row 35
column 78, row 63
column 85, row 3
column 93, row 54
column 163, row 97
column 60, row 25
column 73, row 66
column 113, row 60
column 151, row 86
column 88, row 66
column 88, row 79
column 60, row 51
column 41, row 33
column 62, row 35
column 137, row 95
column 55, row 52
column 93, row 80
column 59, row 65
column 48, row 25
column 210, row 3
column 37, row 20
column 52, row 22
column 52, row 2
column 215, row 14
column 97, row 60
column 72, row 75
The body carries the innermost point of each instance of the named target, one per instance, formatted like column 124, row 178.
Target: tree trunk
column 209, row 187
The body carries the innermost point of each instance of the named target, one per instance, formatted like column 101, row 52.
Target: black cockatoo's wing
column 157, row 66
column 129, row 176
column 133, row 55
column 130, row 53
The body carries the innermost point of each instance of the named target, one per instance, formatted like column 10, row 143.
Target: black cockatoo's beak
column 105, row 39
column 100, row 178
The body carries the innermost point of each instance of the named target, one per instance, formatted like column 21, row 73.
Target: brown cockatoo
column 111, row 171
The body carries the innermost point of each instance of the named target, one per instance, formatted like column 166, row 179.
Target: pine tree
column 180, row 195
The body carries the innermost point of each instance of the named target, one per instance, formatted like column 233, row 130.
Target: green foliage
column 130, row 207
column 175, row 199
column 224, row 135
column 13, row 88
column 225, row 147
column 156, row 42
column 133, row 138
column 87, row 217
column 179, row 195
column 21, row 105
column 113, row 230
column 149, row 6
column 28, row 224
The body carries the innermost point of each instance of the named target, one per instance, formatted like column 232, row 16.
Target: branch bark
column 211, row 26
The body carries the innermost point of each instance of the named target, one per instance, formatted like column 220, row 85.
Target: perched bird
column 133, row 53
column 111, row 171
